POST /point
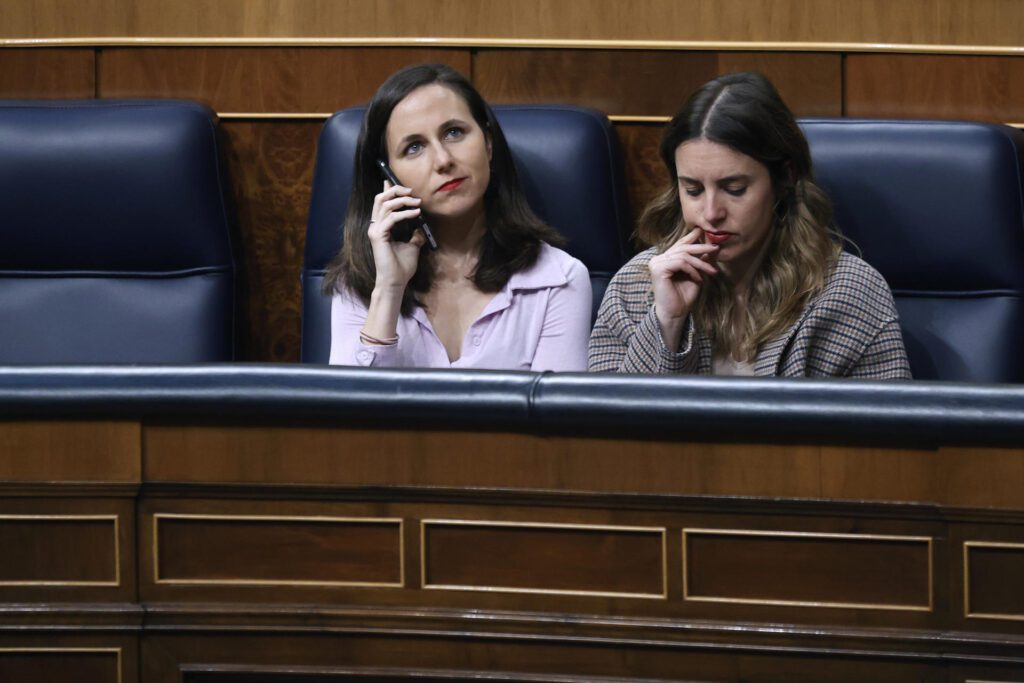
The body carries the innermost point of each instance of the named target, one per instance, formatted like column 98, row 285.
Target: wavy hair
column 514, row 232
column 744, row 112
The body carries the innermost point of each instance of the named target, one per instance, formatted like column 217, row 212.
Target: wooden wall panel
column 814, row 570
column 995, row 580
column 646, row 175
column 45, row 664
column 271, row 171
column 70, row 452
column 565, row 659
column 935, row 86
column 567, row 559
column 59, row 549
column 47, row 73
column 277, row 550
column 281, row 80
column 979, row 22
column 650, row 83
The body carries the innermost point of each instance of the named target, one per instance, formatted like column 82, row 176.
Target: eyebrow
column 739, row 177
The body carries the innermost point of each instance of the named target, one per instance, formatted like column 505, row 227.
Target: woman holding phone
column 494, row 293
column 747, row 275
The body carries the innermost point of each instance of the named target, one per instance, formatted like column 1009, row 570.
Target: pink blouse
column 540, row 320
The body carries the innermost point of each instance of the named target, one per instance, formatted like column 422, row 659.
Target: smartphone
column 402, row 233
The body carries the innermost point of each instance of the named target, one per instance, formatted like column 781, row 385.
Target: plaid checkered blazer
column 850, row 329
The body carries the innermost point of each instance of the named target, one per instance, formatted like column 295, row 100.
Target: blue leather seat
column 115, row 234
column 569, row 166
column 937, row 207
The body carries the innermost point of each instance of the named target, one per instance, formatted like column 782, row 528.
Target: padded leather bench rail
column 682, row 408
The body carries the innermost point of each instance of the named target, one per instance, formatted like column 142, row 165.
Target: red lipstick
column 717, row 237
column 451, row 185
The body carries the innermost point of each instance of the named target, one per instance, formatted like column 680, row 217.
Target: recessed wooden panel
column 271, row 171
column 70, row 452
column 810, row 569
column 43, row 73
column 936, row 87
column 540, row 558
column 262, row 80
column 646, row 175
column 268, row 550
column 649, row 83
column 48, row 665
column 994, row 573
column 59, row 550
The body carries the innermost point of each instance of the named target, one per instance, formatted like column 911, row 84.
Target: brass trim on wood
column 323, row 116
column 1009, row 616
column 663, row 531
column 927, row 540
column 516, row 43
column 71, row 650
column 278, row 582
column 75, row 518
column 302, row 116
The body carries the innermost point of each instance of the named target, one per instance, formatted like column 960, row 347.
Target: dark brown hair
column 514, row 233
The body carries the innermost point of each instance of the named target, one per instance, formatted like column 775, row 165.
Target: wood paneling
column 935, row 86
column 566, row 659
column 649, row 83
column 257, row 80
column 808, row 569
column 59, row 549
column 530, row 558
column 281, row 550
column 270, row 165
column 996, row 581
column 980, row 22
column 646, row 175
column 45, row 665
column 70, row 451
column 41, row 73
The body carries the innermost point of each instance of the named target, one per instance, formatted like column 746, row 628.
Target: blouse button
column 364, row 357
column 476, row 340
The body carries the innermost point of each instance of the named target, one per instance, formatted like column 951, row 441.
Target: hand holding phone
column 418, row 222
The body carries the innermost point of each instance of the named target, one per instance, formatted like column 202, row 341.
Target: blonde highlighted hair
column 744, row 112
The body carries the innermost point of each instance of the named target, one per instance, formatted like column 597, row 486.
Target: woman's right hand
column 676, row 278
column 395, row 261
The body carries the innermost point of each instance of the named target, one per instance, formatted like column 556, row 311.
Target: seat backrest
column 937, row 208
column 114, row 223
column 569, row 165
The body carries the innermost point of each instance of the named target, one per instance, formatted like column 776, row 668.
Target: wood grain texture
column 57, row 665
column 64, row 552
column 70, row 452
column 935, row 87
column 529, row 558
column 278, row 80
column 165, row 655
column 980, row 22
column 58, row 549
column 813, row 570
column 649, row 83
column 277, row 550
column 270, row 165
column 645, row 173
column 996, row 589
column 47, row 73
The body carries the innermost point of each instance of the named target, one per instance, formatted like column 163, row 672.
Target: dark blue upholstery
column 569, row 165
column 937, row 208
column 115, row 234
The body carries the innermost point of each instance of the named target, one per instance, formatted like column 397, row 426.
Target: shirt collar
column 545, row 272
